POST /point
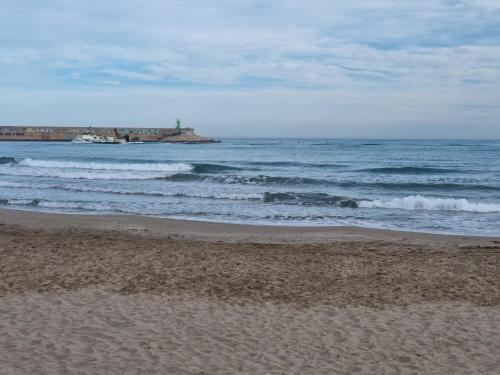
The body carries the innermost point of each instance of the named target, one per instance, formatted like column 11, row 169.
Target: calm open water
column 442, row 186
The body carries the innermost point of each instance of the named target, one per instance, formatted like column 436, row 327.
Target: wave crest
column 418, row 202
column 84, row 175
column 140, row 167
column 246, row 180
column 309, row 199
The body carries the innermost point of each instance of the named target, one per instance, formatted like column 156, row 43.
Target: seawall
column 56, row 133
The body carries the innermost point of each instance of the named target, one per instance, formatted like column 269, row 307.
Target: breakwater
column 56, row 133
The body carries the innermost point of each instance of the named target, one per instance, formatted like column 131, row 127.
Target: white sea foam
column 75, row 205
column 141, row 167
column 71, row 205
column 84, row 189
column 80, row 174
column 22, row 202
column 227, row 196
column 418, row 202
column 163, row 193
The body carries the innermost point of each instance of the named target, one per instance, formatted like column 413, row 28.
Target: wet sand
column 131, row 295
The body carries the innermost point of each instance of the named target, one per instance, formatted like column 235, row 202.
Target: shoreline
column 42, row 252
column 94, row 295
column 225, row 231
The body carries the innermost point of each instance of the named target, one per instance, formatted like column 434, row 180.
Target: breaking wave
column 87, row 206
column 270, row 180
column 310, row 199
column 65, row 205
column 140, row 167
column 20, row 202
column 418, row 202
column 82, row 174
column 246, row 180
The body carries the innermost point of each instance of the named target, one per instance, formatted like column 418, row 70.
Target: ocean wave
column 140, row 167
column 310, row 199
column 20, row 202
column 268, row 180
column 7, row 160
column 299, row 218
column 78, row 205
column 277, row 163
column 416, row 186
column 245, row 180
column 418, row 202
column 282, row 180
column 185, row 177
column 410, row 170
column 15, row 185
column 415, row 202
column 229, row 196
column 262, row 143
column 85, row 206
column 212, row 168
column 153, row 193
column 296, row 164
column 82, row 174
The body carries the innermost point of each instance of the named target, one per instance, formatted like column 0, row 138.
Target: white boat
column 90, row 138
column 84, row 138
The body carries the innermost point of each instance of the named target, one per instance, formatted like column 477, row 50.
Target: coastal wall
column 54, row 133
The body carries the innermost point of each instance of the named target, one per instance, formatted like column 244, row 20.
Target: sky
column 254, row 68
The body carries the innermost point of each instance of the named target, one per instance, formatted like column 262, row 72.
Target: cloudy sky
column 371, row 68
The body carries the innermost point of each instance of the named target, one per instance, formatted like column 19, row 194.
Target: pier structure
column 56, row 133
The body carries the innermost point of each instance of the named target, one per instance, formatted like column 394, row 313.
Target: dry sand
column 134, row 295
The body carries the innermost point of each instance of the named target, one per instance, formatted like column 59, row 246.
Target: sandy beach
column 82, row 294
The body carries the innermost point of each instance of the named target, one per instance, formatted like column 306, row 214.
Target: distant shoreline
column 69, row 133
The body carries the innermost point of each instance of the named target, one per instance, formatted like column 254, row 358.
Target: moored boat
column 90, row 138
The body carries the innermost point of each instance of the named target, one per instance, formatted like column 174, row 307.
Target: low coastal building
column 56, row 133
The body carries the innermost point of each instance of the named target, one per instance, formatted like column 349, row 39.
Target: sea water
column 444, row 186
